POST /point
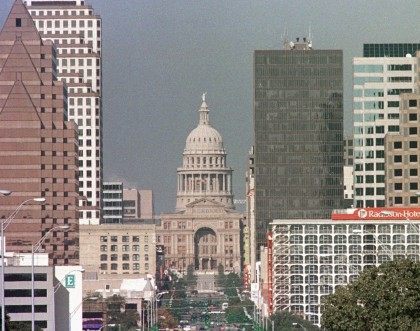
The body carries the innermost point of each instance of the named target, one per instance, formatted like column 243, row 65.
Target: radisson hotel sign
column 384, row 214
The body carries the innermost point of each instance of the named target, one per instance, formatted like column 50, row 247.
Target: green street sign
column 70, row 281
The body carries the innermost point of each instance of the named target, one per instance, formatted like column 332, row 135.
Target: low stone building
column 127, row 248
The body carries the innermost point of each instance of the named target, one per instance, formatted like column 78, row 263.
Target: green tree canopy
column 382, row 298
column 117, row 314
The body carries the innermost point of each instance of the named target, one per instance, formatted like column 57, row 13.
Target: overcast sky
column 159, row 57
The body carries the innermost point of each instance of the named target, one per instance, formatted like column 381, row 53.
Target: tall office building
column 76, row 32
column 298, row 128
column 112, row 209
column 402, row 155
column 38, row 145
column 385, row 71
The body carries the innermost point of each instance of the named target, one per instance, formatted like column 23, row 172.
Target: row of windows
column 380, row 255
column 378, row 92
column 407, row 186
column 124, row 248
column 399, row 200
column 124, row 266
column 400, row 158
column 26, row 309
column 353, row 239
column 61, row 12
column 25, row 277
column 342, row 228
column 124, row 257
column 410, row 172
column 124, row 239
column 411, row 144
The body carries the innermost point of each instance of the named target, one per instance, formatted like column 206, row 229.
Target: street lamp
column 34, row 249
column 3, row 227
column 73, row 312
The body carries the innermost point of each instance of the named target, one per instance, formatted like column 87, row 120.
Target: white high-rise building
column 385, row 71
column 76, row 32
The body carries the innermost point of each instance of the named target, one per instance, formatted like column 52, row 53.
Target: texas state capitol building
column 205, row 230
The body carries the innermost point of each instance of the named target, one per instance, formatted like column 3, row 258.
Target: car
column 225, row 305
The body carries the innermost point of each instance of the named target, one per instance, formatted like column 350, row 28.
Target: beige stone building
column 205, row 230
column 402, row 155
column 118, row 248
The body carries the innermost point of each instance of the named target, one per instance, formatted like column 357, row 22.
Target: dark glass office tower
column 298, row 128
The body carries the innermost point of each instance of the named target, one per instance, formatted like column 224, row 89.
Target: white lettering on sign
column 393, row 214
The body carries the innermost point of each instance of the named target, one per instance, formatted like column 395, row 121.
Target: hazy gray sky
column 158, row 58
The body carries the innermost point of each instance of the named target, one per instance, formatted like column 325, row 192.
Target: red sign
column 384, row 214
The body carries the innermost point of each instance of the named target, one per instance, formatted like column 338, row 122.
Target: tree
column 117, row 314
column 382, row 298
column 166, row 319
column 191, row 278
column 285, row 320
column 220, row 278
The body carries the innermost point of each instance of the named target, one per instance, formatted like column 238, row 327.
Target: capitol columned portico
column 205, row 230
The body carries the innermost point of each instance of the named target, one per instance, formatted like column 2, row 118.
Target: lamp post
column 73, row 312
column 3, row 227
column 34, row 249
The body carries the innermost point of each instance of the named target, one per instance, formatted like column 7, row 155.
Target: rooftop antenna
column 309, row 33
column 310, row 37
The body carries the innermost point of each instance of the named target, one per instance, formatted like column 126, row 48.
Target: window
column 18, row 22
column 126, row 257
column 398, row 186
column 412, row 131
column 104, row 257
column 136, row 257
column 413, row 172
column 136, row 239
column 114, row 266
column 398, row 200
column 397, row 158
column 412, row 117
column 397, row 172
column 397, row 144
column 412, row 103
column 413, row 144
column 125, row 239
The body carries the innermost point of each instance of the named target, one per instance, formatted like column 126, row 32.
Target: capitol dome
column 204, row 137
column 204, row 173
